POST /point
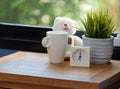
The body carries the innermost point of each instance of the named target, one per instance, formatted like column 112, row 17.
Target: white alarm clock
column 80, row 56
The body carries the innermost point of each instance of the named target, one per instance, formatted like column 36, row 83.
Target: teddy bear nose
column 65, row 24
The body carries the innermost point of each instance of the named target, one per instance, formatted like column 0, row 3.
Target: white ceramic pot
column 100, row 49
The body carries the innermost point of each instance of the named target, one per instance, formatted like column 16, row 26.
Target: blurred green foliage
column 42, row 12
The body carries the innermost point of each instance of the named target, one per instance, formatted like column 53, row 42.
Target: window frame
column 22, row 37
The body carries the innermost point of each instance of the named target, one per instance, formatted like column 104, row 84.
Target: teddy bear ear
column 56, row 19
column 75, row 23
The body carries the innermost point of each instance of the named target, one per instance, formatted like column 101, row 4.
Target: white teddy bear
column 70, row 26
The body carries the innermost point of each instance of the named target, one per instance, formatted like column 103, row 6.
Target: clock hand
column 79, row 55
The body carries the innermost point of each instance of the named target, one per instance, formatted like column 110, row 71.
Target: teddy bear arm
column 77, row 41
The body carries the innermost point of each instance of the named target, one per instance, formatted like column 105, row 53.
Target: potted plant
column 99, row 27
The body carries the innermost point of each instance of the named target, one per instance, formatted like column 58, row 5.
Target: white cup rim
column 57, row 32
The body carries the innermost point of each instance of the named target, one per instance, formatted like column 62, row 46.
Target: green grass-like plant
column 98, row 24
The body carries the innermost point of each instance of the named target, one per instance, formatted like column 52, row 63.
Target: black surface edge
column 22, row 37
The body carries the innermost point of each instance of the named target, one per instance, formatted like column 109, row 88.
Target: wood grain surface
column 28, row 70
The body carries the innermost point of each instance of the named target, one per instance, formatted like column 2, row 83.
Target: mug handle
column 45, row 42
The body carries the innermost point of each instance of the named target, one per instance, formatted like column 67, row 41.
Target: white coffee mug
column 56, row 43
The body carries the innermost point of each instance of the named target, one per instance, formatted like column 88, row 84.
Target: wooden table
column 27, row 70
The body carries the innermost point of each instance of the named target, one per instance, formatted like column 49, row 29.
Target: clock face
column 80, row 56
